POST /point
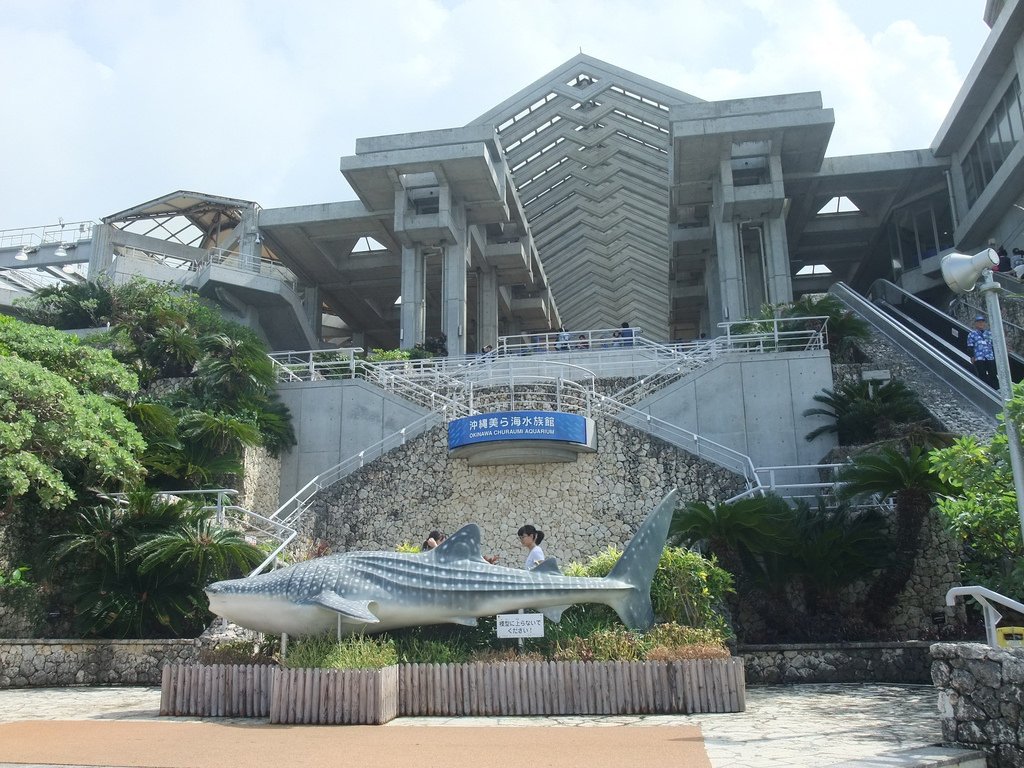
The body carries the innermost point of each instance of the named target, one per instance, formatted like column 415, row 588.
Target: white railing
column 792, row 483
column 684, row 439
column 569, row 341
column 316, row 364
column 67, row 233
column 290, row 513
column 984, row 595
column 783, row 334
column 254, row 265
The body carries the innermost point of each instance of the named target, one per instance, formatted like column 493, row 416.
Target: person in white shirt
column 531, row 538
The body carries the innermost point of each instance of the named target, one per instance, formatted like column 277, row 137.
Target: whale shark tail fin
column 637, row 565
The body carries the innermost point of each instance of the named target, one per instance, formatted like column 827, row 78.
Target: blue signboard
column 517, row 425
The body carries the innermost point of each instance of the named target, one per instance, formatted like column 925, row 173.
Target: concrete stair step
column 921, row 757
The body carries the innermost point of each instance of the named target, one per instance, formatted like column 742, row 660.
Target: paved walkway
column 783, row 727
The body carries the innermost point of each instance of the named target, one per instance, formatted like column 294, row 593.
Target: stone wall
column 919, row 609
column 837, row 663
column 40, row 663
column 981, row 695
column 260, row 482
column 582, row 506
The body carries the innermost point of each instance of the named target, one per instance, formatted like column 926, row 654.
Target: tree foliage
column 59, row 431
column 982, row 506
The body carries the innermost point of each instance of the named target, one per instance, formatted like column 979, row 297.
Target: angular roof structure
column 588, row 147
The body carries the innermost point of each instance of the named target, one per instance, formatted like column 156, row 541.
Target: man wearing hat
column 980, row 343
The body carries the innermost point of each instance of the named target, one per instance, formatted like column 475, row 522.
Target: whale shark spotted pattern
column 376, row 591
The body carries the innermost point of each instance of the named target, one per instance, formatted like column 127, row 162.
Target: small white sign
column 520, row 625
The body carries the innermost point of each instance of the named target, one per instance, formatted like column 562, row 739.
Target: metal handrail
column 66, row 232
column 983, row 595
column 257, row 265
column 684, row 439
column 315, row 364
column 291, row 510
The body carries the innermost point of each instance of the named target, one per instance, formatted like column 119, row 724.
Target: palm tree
column 909, row 481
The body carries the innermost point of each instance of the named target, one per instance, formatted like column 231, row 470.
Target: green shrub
column 611, row 644
column 21, row 604
column 687, row 587
column 354, row 652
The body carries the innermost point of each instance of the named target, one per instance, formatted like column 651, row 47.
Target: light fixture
column 68, row 269
column 22, row 255
column 61, row 251
column 961, row 273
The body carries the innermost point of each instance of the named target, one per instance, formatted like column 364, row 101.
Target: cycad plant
column 736, row 532
column 909, row 480
column 859, row 415
column 139, row 569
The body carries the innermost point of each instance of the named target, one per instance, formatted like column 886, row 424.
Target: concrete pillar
column 780, row 282
column 311, row 306
column 101, row 255
column 730, row 272
column 487, row 308
column 453, row 297
column 414, row 304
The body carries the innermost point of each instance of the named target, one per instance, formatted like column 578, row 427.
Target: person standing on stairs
column 982, row 353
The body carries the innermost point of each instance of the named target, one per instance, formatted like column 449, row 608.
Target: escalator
column 946, row 334
column 935, row 341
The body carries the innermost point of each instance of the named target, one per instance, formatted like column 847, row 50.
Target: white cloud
column 109, row 104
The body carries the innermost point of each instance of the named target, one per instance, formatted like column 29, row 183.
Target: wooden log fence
column 456, row 690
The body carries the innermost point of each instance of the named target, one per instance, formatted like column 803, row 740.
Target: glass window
column 1013, row 113
column 993, row 146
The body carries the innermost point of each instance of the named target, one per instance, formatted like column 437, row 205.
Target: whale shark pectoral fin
column 359, row 610
column 466, row 621
column 554, row 613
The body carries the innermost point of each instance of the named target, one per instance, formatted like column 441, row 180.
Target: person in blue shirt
column 982, row 353
column 627, row 335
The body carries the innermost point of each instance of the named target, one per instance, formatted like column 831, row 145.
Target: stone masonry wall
column 582, row 506
column 981, row 696
column 33, row 663
column 260, row 482
column 907, row 662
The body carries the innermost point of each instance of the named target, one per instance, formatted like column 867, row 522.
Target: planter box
column 573, row 688
column 461, row 690
column 217, row 690
column 334, row 696
column 325, row 696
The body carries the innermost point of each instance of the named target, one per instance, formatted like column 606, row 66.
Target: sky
column 106, row 104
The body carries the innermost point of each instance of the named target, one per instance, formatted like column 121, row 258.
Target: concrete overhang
column 468, row 169
column 796, row 125
column 511, row 260
column 997, row 55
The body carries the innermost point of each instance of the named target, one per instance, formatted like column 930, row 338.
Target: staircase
column 519, row 377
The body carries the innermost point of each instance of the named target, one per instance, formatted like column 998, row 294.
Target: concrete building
column 591, row 197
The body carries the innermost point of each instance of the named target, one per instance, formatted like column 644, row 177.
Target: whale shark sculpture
column 377, row 591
